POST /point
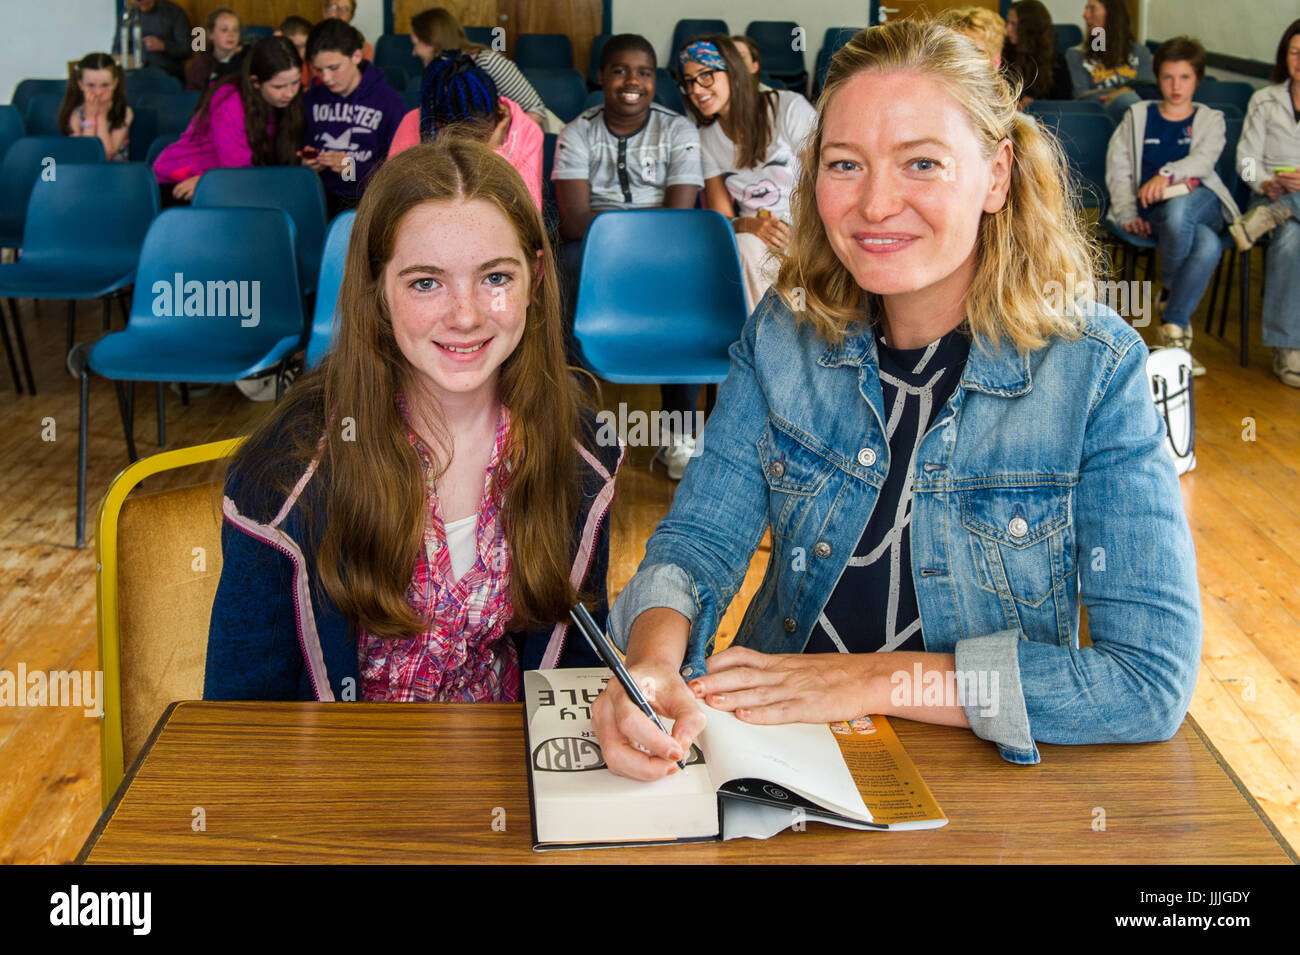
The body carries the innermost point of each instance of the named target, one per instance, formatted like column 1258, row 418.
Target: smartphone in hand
column 309, row 152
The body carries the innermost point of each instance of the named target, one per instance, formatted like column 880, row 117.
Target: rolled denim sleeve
column 1137, row 578
column 697, row 558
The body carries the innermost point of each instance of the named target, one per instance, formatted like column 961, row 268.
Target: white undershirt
column 461, row 544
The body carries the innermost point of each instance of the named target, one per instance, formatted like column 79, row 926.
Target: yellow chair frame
column 111, row 744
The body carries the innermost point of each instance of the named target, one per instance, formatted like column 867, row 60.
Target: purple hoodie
column 362, row 125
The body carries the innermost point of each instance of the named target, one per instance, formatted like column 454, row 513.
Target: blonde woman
column 952, row 452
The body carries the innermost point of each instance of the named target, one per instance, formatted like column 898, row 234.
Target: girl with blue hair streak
column 457, row 95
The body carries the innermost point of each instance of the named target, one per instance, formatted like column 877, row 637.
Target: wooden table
column 337, row 782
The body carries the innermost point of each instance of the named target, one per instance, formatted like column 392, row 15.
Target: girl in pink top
column 250, row 118
column 457, row 93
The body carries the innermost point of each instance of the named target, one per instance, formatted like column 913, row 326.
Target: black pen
column 605, row 650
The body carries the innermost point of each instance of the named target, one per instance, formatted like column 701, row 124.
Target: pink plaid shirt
column 464, row 654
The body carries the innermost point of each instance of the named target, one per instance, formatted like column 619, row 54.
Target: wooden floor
column 1243, row 501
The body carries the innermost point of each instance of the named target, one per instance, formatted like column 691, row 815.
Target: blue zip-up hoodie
column 360, row 124
column 276, row 635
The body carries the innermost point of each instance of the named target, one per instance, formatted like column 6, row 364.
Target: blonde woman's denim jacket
column 1043, row 482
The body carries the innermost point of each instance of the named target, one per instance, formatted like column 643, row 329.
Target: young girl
column 419, row 514
column 749, row 147
column 457, row 93
column 950, row 464
column 436, row 30
column 1268, row 159
column 221, row 57
column 1109, row 62
column 250, row 118
column 95, row 105
column 1155, row 146
column 1029, row 54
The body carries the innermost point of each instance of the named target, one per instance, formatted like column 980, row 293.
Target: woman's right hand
column 620, row 725
column 185, row 188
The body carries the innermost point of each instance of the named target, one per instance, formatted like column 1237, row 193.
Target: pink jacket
column 221, row 142
column 522, row 147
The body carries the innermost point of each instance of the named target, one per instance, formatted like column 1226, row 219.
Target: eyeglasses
column 338, row 8
column 704, row 78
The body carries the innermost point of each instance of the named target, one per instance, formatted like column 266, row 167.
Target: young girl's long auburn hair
column 369, row 506
column 1032, row 58
column 269, row 56
column 1036, row 239
column 73, row 97
column 752, row 113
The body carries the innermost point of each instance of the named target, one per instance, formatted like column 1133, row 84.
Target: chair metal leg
column 1245, row 309
column 123, row 307
column 82, row 426
column 1223, row 309
column 1214, row 294
column 126, row 407
column 72, row 324
column 108, row 313
column 185, row 394
column 710, row 399
column 9, row 352
column 21, row 342
column 162, row 416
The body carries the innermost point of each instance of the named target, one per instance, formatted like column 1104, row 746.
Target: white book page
column 801, row 757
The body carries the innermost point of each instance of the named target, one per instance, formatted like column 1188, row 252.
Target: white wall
column 1250, row 30
column 41, row 40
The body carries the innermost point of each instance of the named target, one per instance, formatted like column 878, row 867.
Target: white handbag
column 1170, row 371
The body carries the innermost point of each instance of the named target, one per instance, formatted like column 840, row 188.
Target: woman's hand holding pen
column 632, row 745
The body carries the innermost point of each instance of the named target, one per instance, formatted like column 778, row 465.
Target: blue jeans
column 1281, row 327
column 1187, row 230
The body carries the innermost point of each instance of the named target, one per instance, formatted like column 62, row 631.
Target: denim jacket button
column 1018, row 527
column 777, row 470
column 866, row 457
column 822, row 549
column 790, row 625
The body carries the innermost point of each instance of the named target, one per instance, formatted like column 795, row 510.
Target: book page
column 801, row 757
column 885, row 775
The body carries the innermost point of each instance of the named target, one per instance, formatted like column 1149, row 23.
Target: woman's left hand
column 1153, row 190
column 788, row 687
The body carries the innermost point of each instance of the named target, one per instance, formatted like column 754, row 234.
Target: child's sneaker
column 674, row 457
column 1286, row 365
column 1178, row 336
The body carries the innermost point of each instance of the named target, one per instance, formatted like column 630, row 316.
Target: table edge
column 106, row 816
column 1241, row 788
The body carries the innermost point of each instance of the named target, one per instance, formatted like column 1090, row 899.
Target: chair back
column 395, row 76
column 1222, row 93
column 158, row 562
column 1085, row 138
column 666, row 92
column 93, row 215
column 158, row 145
column 543, row 51
column 295, row 189
column 593, row 59
column 139, row 85
column 11, row 127
column 1054, row 107
column 685, row 29
column 394, row 49
column 673, row 317
column 480, row 35
column 29, row 159
column 562, row 90
column 1068, row 35
column 776, row 47
column 836, row 39
column 42, row 117
column 254, row 33
column 26, row 89
column 172, row 110
column 332, row 260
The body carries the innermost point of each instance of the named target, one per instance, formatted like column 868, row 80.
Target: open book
column 740, row 779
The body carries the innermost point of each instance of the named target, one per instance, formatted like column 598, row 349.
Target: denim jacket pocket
column 795, row 472
column 1020, row 539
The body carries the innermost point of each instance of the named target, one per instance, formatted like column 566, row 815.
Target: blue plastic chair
column 1225, row 93
column 327, row 288
column 24, row 163
column 1055, row 107
column 1085, row 137
column 26, row 89
column 666, row 92
column 836, row 39
column 411, row 96
column 254, row 33
column 672, row 318
column 775, row 39
column 595, row 98
column 157, row 146
column 1068, row 35
column 81, row 240
column 255, row 264
column 11, row 127
column 396, row 77
column 544, row 51
column 42, row 117
column 593, row 66
column 685, row 29
column 480, row 35
column 295, row 189
column 1227, row 170
column 562, row 90
column 173, row 110
column 394, row 49
column 139, row 85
